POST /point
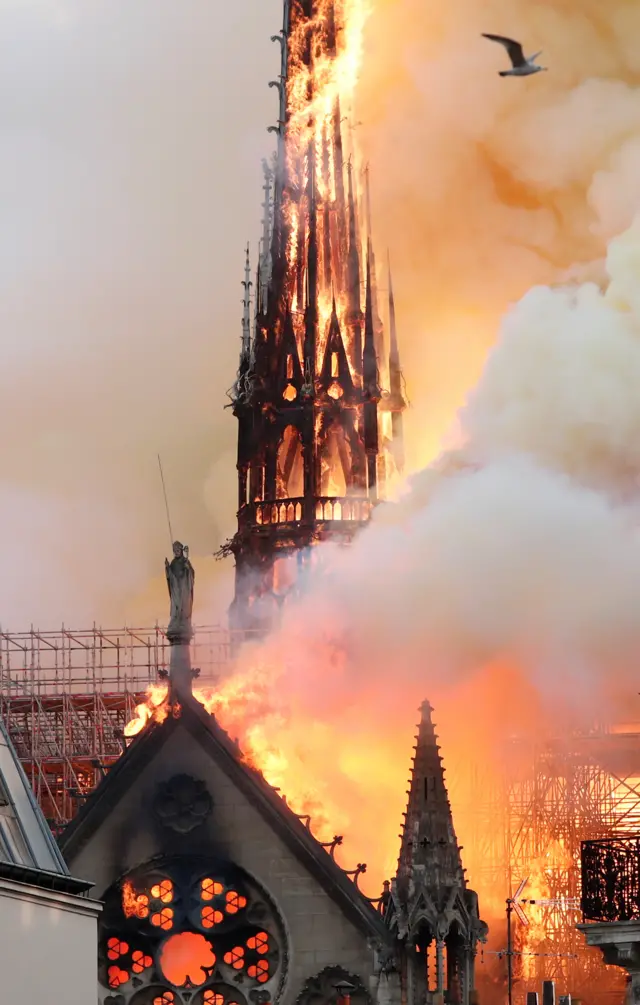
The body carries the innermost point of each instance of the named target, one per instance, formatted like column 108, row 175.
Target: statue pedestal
column 180, row 673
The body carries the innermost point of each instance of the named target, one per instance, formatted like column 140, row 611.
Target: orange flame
column 134, row 905
column 242, row 706
column 153, row 708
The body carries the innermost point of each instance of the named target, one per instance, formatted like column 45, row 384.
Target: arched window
column 181, row 931
column 290, row 469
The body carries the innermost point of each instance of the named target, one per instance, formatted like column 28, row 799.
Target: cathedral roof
column 289, row 827
column 28, row 851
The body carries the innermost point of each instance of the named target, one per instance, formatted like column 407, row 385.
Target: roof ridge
column 266, row 799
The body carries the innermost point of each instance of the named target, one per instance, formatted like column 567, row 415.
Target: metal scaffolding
column 524, row 816
column 560, row 792
column 66, row 697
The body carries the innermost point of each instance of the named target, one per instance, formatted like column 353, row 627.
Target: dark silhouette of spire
column 371, row 391
column 245, row 351
column 353, row 257
column 429, row 852
column 397, row 401
column 369, row 356
column 378, row 327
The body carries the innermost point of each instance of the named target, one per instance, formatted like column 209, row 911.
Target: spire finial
column 245, row 351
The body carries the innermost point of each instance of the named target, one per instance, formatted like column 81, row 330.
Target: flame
column 344, row 764
column 153, row 708
column 556, row 858
column 134, row 905
column 324, row 60
column 243, row 707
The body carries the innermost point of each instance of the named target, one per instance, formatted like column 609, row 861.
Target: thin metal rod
column 509, row 953
column 166, row 502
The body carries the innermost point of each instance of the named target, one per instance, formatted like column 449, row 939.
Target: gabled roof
column 227, row 755
column 28, row 851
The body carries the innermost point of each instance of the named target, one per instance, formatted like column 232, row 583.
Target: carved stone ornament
column 179, row 931
column 182, row 804
column 259, row 997
column 321, row 988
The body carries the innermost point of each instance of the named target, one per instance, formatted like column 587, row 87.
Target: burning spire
column 311, row 436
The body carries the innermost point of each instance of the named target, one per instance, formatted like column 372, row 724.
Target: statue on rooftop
column 180, row 580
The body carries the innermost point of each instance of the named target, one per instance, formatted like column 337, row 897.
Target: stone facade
column 619, row 942
column 182, row 838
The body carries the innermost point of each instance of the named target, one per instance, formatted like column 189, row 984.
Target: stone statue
column 180, row 580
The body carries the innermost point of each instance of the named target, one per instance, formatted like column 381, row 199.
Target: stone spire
column 430, row 903
column 429, row 852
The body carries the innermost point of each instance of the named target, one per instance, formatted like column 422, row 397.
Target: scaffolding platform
column 66, row 697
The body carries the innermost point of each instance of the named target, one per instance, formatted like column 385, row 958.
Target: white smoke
column 524, row 543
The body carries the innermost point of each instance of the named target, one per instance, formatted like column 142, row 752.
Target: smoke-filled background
column 131, row 139
column 130, row 168
column 130, row 172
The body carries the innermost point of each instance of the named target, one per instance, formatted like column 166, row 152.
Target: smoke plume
column 506, row 577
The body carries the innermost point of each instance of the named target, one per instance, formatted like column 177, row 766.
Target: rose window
column 184, row 933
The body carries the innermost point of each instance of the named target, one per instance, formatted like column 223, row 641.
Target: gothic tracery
column 185, row 932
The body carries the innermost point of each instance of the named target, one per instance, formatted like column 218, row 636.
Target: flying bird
column 521, row 65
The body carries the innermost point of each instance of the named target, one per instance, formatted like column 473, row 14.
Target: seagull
column 521, row 65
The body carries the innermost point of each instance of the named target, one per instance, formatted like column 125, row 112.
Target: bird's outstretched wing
column 516, row 55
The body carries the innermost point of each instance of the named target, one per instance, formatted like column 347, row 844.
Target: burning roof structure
column 216, row 891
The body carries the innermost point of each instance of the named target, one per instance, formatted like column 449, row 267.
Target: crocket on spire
column 429, row 848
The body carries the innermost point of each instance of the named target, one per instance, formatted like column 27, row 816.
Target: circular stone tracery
column 183, row 926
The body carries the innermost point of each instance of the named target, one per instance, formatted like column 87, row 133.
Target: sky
column 131, row 139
